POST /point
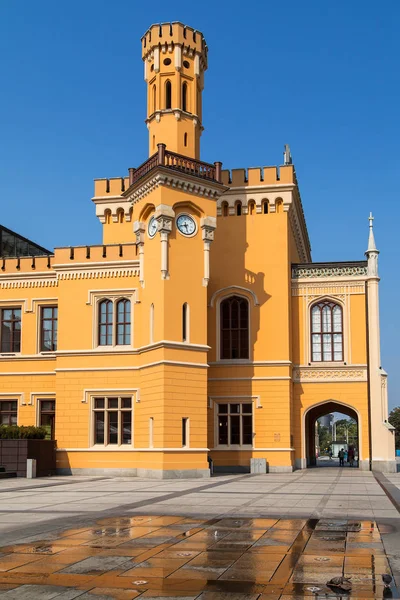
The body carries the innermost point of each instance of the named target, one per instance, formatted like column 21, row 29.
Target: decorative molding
column 38, row 396
column 250, row 363
column 87, row 393
column 230, row 291
column 100, row 270
column 257, row 399
column 180, row 181
column 130, row 293
column 339, row 289
column 28, row 280
column 329, row 374
column 326, row 270
column 20, row 374
column 208, row 226
column 19, row 396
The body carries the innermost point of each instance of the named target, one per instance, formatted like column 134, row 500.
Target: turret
column 175, row 58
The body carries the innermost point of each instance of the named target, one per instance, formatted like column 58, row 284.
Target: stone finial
column 287, row 155
column 371, row 239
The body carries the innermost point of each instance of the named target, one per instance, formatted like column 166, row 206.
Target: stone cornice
column 324, row 374
column 321, row 271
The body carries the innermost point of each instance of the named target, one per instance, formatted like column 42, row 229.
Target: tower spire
column 372, row 252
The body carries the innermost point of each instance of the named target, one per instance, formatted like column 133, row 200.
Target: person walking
column 351, row 456
column 341, row 457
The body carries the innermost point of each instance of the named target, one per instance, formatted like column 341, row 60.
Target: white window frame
column 10, row 305
column 233, row 400
column 114, row 297
column 106, row 395
column 39, row 327
column 346, row 332
column 18, row 398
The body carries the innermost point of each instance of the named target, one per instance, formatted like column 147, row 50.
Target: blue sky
column 320, row 76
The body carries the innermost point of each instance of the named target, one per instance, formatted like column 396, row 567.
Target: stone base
column 147, row 473
column 272, row 469
column 384, row 466
column 363, row 465
column 258, row 465
column 300, row 463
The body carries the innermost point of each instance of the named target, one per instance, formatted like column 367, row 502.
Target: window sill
column 111, row 447
column 233, row 448
column 328, row 363
column 234, row 361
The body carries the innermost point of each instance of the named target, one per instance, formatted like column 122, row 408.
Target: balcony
column 177, row 162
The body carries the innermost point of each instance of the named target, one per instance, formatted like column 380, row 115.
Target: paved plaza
column 234, row 537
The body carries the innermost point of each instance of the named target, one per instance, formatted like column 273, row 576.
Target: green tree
column 346, row 429
column 325, row 438
column 394, row 419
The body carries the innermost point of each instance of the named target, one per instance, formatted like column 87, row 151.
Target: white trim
column 34, row 396
column 113, row 293
column 12, row 373
column 218, row 324
column 231, row 290
column 114, row 296
column 38, row 396
column 18, row 396
column 129, row 449
column 89, row 395
column 101, row 391
column 254, row 449
column 342, row 300
column 135, row 368
column 253, row 363
column 339, row 403
column 9, row 356
column 249, row 378
column 231, row 400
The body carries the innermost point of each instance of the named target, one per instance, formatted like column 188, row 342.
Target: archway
column 309, row 427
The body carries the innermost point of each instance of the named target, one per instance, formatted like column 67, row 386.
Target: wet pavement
column 150, row 556
column 280, row 536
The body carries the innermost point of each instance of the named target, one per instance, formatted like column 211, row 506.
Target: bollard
column 30, row 468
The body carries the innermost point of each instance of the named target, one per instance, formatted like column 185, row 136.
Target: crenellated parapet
column 167, row 36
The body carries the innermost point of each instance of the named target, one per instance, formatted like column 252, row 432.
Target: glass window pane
column 126, row 419
column 247, row 429
column 99, row 402
column 337, row 318
column 235, row 429
column 326, row 319
column 223, row 430
column 327, row 346
column 234, row 408
column 113, row 427
column 126, row 402
column 316, row 319
column 222, row 408
column 112, row 403
column 99, row 428
column 247, row 408
column 13, row 419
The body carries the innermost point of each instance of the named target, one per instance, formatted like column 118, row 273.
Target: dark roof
column 14, row 244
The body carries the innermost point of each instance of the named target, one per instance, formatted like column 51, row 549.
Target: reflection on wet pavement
column 178, row 558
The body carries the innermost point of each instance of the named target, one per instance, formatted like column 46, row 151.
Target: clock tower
column 174, row 202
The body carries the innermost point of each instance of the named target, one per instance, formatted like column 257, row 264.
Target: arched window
column 238, row 209
column 184, row 96
column 185, row 322
column 120, row 215
column 234, row 323
column 107, row 216
column 123, row 331
column 326, row 332
column 252, row 207
column 168, row 94
column 224, row 208
column 154, row 98
column 105, row 323
column 265, row 207
column 185, row 139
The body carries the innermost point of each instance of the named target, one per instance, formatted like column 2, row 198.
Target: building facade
column 199, row 328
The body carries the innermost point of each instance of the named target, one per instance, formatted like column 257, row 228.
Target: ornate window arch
column 326, row 331
column 105, row 322
column 234, row 328
column 123, row 322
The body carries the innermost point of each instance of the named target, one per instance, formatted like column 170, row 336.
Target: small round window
column 167, row 61
column 186, row 64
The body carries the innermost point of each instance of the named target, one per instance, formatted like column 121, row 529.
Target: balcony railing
column 177, row 162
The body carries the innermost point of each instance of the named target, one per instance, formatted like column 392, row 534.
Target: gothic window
column 326, row 332
column 168, row 94
column 105, row 323
column 224, row 209
column 123, row 322
column 238, row 209
column 234, row 323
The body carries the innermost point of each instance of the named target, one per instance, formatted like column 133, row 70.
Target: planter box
column 14, row 453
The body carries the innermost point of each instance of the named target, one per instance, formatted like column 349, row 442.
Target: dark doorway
column 345, row 436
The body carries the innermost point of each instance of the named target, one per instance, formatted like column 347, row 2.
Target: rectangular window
column 48, row 328
column 8, row 412
column 185, row 432
column 235, row 424
column 47, row 417
column 11, row 330
column 112, row 420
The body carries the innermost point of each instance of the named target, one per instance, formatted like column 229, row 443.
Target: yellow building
column 199, row 328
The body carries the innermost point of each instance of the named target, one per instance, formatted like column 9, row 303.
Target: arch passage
column 315, row 413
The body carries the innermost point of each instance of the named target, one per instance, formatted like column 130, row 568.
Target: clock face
column 186, row 224
column 152, row 227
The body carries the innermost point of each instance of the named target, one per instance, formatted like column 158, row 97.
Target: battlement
column 69, row 255
column 113, row 186
column 255, row 176
column 173, row 33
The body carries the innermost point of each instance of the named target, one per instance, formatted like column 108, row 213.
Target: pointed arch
column 154, row 98
column 185, row 96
